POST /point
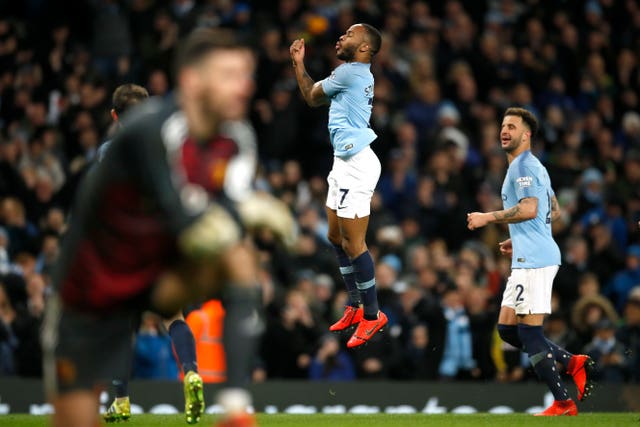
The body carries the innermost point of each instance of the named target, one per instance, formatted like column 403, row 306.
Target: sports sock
column 542, row 359
column 243, row 326
column 346, row 269
column 366, row 283
column 509, row 334
column 121, row 387
column 184, row 345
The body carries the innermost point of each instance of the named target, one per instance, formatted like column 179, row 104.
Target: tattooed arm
column 526, row 209
column 556, row 213
column 312, row 92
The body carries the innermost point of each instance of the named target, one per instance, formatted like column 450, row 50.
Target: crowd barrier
column 306, row 397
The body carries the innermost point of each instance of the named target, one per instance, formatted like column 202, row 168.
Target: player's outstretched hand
column 212, row 233
column 263, row 210
column 297, row 51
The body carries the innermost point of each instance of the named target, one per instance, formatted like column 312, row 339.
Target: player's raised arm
column 312, row 92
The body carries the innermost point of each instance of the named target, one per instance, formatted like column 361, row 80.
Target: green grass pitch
column 352, row 420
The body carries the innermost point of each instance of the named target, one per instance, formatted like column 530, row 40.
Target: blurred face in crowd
column 514, row 133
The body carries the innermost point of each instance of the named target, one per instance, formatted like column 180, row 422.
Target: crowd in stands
column 445, row 73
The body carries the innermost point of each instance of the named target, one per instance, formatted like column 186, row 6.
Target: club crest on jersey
column 524, row 181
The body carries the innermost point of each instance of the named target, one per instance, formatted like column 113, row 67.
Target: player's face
column 227, row 84
column 512, row 133
column 349, row 42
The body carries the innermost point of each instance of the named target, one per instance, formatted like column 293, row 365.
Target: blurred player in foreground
column 355, row 173
column 155, row 226
column 530, row 205
column 124, row 97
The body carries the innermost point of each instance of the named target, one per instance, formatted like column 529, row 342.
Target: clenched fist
column 297, row 51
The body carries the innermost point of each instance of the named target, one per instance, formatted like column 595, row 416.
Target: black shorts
column 85, row 350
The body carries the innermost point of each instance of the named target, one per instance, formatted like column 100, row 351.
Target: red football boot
column 581, row 369
column 351, row 316
column 559, row 407
column 366, row 329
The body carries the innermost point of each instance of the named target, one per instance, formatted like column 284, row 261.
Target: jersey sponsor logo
column 524, row 181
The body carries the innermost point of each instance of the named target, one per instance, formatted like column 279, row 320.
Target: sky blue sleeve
column 336, row 82
column 525, row 183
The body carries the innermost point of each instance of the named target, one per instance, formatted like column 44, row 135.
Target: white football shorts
column 528, row 290
column 352, row 182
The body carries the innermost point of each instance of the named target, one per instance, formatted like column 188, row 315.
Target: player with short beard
column 530, row 205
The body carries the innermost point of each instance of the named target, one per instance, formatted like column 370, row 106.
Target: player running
column 530, row 205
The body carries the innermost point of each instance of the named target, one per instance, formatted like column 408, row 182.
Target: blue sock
column 560, row 354
column 184, row 345
column 346, row 269
column 366, row 283
column 509, row 334
column 121, row 387
column 542, row 359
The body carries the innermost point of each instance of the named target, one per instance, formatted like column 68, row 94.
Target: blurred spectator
column 8, row 340
column 153, row 355
column 618, row 289
column 290, row 338
column 607, row 352
column 457, row 359
column 587, row 312
column 574, row 264
column 419, row 361
column 330, row 362
column 629, row 336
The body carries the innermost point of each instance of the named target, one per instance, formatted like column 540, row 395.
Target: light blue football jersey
column 350, row 88
column 533, row 244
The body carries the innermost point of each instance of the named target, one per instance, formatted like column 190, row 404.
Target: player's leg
column 508, row 329
column 353, row 232
column 183, row 342
column 532, row 303
column 356, row 179
column 120, row 408
column 579, row 366
column 353, row 311
column 184, row 346
column 75, row 361
column 243, row 326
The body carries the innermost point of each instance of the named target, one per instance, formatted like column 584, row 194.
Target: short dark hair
column 527, row 116
column 202, row 41
column 375, row 38
column 128, row 95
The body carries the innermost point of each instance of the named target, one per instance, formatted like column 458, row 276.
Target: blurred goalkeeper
column 158, row 225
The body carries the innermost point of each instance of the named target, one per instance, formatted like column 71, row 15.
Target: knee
column 353, row 248
column 509, row 334
column 532, row 338
column 335, row 239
